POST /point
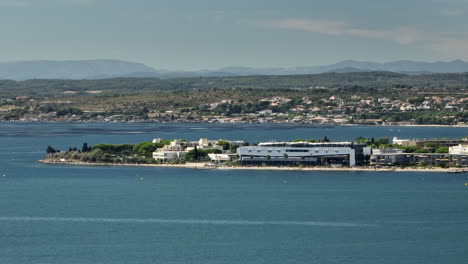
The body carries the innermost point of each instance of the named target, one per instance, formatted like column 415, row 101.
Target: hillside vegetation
column 144, row 85
column 370, row 97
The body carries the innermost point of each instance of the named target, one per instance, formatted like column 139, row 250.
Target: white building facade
column 297, row 153
column 459, row 150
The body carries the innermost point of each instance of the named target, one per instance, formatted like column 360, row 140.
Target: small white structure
column 219, row 157
column 265, row 112
column 459, row 150
column 203, row 142
column 168, row 155
column 377, row 151
column 367, row 151
column 401, row 142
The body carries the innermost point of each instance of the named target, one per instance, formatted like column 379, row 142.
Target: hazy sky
column 208, row 34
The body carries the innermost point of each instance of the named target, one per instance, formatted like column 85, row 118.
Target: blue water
column 71, row 214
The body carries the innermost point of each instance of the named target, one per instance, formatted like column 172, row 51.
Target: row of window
column 297, row 150
column 302, row 150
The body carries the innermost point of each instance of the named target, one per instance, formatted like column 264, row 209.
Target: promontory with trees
column 362, row 152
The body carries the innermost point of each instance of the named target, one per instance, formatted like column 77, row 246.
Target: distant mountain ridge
column 70, row 69
column 101, row 69
column 407, row 66
column 403, row 66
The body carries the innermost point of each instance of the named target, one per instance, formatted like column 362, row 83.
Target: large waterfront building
column 304, row 153
column 434, row 159
column 440, row 142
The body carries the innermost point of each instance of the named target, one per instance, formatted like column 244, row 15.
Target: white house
column 168, row 155
column 459, row 150
column 220, row 157
column 172, row 151
column 401, row 142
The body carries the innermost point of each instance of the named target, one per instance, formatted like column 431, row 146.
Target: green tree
column 212, row 151
column 114, row 149
column 225, row 144
column 430, row 145
column 196, row 154
column 362, row 140
column 145, row 149
column 50, row 150
column 234, row 148
column 85, row 147
column 382, row 141
column 411, row 149
column 442, row 150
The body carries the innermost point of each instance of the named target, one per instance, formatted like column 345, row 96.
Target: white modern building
column 377, row 151
column 305, row 153
column 220, row 157
column 459, row 150
column 401, row 142
column 172, row 151
column 168, row 155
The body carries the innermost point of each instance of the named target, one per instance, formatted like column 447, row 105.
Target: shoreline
column 208, row 166
column 242, row 123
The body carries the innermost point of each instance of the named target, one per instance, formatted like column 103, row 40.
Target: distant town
column 367, row 98
column 329, row 110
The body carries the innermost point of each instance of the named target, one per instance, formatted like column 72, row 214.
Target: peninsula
column 360, row 154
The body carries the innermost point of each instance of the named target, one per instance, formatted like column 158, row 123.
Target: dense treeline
column 127, row 153
column 328, row 80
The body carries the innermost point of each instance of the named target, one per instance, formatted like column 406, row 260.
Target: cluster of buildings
column 271, row 153
column 440, row 142
column 352, row 154
column 337, row 154
column 429, row 102
column 328, row 110
column 178, row 149
column 456, row 156
column 334, row 110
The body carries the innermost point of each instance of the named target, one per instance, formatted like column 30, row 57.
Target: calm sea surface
column 69, row 214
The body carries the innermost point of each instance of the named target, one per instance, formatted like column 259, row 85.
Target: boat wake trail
column 180, row 221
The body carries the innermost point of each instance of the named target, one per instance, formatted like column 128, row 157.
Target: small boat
column 205, row 168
